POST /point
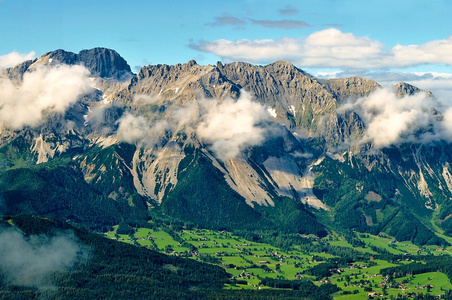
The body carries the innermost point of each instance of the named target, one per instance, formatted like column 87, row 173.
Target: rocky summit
column 225, row 146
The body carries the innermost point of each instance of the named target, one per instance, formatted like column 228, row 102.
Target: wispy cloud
column 228, row 127
column 286, row 24
column 239, row 23
column 46, row 89
column 32, row 261
column 231, row 126
column 134, row 128
column 391, row 120
column 14, row 58
column 288, row 11
column 331, row 48
column 334, row 25
column 226, row 20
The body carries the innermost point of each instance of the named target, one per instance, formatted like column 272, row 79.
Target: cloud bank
column 228, row 127
column 232, row 126
column 14, row 58
column 46, row 89
column 32, row 261
column 132, row 128
column 392, row 121
column 331, row 48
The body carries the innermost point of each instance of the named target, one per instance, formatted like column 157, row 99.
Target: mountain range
column 228, row 146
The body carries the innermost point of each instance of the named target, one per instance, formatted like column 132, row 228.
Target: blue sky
column 385, row 40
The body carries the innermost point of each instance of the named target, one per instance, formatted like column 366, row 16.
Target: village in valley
column 251, row 263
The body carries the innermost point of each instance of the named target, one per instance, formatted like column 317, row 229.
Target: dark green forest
column 117, row 270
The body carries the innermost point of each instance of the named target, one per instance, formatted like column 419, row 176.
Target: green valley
column 327, row 262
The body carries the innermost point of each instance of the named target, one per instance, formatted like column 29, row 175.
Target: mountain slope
column 76, row 264
column 231, row 146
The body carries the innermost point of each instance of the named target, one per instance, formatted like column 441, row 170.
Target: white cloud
column 331, row 48
column 132, row 128
column 228, row 126
column 46, row 89
column 391, row 120
column 32, row 261
column 145, row 99
column 14, row 58
column 447, row 125
column 231, row 126
column 433, row 52
column 252, row 51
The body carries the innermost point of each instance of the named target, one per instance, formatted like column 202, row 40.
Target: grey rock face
column 62, row 56
column 353, row 87
column 402, row 88
column 105, row 63
column 101, row 62
column 16, row 73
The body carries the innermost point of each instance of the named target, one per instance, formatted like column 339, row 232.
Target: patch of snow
column 50, row 60
column 272, row 111
column 177, row 89
column 292, row 110
column 104, row 99
column 85, row 117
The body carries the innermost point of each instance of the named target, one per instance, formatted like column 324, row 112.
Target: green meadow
column 249, row 262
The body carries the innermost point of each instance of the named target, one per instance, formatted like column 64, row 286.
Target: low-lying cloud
column 331, row 48
column 140, row 130
column 132, row 128
column 14, row 58
column 391, row 120
column 227, row 127
column 32, row 261
column 232, row 126
column 46, row 89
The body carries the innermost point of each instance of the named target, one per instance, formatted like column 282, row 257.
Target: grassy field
column 250, row 261
column 392, row 246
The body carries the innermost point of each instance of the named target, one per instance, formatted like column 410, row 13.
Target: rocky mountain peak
column 105, row 63
column 286, row 67
column 402, row 88
column 182, row 82
column 353, row 87
column 61, row 56
column 101, row 62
